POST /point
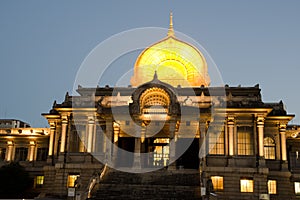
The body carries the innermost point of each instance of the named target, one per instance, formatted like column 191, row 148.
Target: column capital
column 282, row 127
column 260, row 119
column 52, row 125
column 230, row 117
column 230, row 120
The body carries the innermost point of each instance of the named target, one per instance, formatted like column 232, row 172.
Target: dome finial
column 171, row 30
column 155, row 75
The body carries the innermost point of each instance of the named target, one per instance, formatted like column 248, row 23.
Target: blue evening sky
column 43, row 43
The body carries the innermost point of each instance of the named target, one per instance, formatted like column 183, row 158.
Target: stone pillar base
column 284, row 166
column 137, row 161
column 261, row 163
column 172, row 166
column 231, row 162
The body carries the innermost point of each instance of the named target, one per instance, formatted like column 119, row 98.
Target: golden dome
column 176, row 63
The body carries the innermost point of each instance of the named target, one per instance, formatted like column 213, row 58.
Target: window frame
column 246, row 187
column 71, row 179
column 39, row 181
column 218, row 183
column 269, row 149
column 245, row 141
column 216, row 142
column 272, row 187
column 21, row 153
column 297, row 189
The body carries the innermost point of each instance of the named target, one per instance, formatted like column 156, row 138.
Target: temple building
column 169, row 135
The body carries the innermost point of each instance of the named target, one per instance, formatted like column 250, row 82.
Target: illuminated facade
column 29, row 146
column 248, row 151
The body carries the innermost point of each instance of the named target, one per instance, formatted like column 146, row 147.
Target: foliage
column 14, row 181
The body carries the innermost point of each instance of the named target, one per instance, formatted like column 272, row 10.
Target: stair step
column 161, row 185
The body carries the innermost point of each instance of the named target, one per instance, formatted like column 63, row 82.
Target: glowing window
column 161, row 152
column 245, row 140
column 72, row 179
column 247, row 185
column 297, row 188
column 39, row 181
column 217, row 182
column 216, row 142
column 162, row 140
column 272, row 188
column 269, row 148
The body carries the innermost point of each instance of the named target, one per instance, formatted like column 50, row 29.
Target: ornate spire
column 171, row 30
column 155, row 75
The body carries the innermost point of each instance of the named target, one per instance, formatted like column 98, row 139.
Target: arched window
column 269, row 148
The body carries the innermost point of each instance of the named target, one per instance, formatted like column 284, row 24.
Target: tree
column 14, row 181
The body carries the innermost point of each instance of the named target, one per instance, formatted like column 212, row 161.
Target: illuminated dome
column 176, row 63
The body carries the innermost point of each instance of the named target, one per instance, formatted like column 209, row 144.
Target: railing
column 213, row 196
column 94, row 180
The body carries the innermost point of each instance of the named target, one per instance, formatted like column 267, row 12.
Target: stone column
column 91, row 124
column 260, row 129
column 137, row 153
column 172, row 156
column 51, row 140
column 10, row 151
column 108, row 139
column 31, row 150
column 202, row 139
column 116, row 132
column 64, row 124
column 230, row 124
column 282, row 130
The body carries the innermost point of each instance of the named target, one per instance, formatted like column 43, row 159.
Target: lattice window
column 245, row 140
column 269, row 148
column 216, row 142
column 217, row 182
column 21, row 154
column 272, row 187
column 247, row 185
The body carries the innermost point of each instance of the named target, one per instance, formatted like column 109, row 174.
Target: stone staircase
column 161, row 185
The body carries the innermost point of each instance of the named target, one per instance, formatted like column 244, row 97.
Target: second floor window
column 216, row 142
column 21, row 154
column 42, row 154
column 269, row 148
column 245, row 140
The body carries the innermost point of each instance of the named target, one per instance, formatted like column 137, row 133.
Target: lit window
column 246, row 185
column 272, row 189
column 297, row 188
column 269, row 148
column 245, row 140
column 72, row 179
column 162, row 140
column 39, row 181
column 217, row 182
column 161, row 152
column 216, row 142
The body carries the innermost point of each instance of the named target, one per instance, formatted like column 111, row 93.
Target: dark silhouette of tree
column 14, row 181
